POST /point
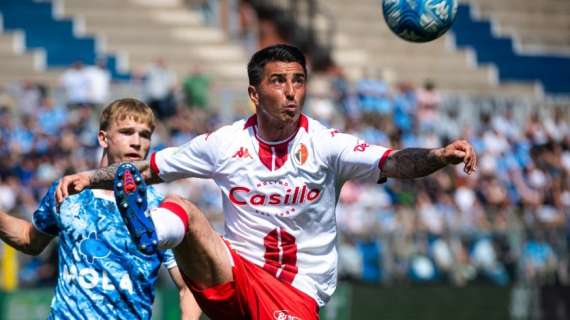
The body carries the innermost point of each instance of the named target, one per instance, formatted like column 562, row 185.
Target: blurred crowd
column 508, row 223
column 505, row 224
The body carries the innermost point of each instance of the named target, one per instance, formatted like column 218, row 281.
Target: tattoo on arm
column 103, row 178
column 413, row 163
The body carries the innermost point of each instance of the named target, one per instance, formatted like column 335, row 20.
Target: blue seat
column 553, row 72
column 56, row 37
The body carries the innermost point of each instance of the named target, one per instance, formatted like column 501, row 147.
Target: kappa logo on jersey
column 361, row 147
column 284, row 315
column 301, row 154
column 334, row 132
column 242, row 153
column 243, row 195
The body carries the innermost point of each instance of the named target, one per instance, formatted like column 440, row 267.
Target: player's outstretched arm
column 101, row 178
column 22, row 235
column 416, row 162
column 189, row 309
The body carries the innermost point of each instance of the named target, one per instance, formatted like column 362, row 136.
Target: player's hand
column 461, row 151
column 72, row 184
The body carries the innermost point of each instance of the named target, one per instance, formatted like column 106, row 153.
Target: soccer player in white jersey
column 280, row 175
column 102, row 274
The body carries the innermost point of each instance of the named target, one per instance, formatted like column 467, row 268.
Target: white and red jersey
column 279, row 198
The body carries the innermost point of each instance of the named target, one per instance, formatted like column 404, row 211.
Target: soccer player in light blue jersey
column 102, row 274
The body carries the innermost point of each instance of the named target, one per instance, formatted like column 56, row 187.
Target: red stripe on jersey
column 281, row 154
column 153, row 165
column 383, row 159
column 266, row 155
column 271, row 256
column 274, row 156
column 269, row 153
column 288, row 258
column 281, row 255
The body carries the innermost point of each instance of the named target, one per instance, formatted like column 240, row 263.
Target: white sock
column 170, row 230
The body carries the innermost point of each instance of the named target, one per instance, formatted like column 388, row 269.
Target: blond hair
column 122, row 109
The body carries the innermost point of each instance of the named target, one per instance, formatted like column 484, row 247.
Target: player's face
column 280, row 96
column 126, row 140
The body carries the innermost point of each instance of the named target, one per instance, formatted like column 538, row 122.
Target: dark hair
column 278, row 52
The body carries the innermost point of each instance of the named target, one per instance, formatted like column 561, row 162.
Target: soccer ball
column 419, row 20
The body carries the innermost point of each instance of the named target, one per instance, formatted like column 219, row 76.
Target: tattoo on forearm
column 413, row 163
column 103, row 178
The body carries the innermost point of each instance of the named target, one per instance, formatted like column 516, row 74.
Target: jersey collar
column 303, row 122
column 252, row 123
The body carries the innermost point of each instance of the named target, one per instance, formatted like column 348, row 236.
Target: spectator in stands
column 29, row 96
column 77, row 85
column 370, row 249
column 505, row 123
column 7, row 102
column 99, row 82
column 340, row 88
column 405, row 107
column 51, row 118
column 535, row 129
column 24, row 135
column 539, row 259
column 8, row 192
column 196, row 87
column 484, row 258
column 248, row 26
column 160, row 85
column 429, row 100
column 373, row 93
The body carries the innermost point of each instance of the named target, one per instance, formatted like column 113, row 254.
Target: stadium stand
column 126, row 27
column 551, row 71
column 44, row 31
column 17, row 63
column 177, row 34
column 54, row 40
column 363, row 39
column 536, row 26
column 301, row 24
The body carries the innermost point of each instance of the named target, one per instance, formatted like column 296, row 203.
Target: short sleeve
column 351, row 157
column 169, row 260
column 44, row 218
column 197, row 158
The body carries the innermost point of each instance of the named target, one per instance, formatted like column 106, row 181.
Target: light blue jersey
column 102, row 274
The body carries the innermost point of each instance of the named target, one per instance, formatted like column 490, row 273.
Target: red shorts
column 254, row 294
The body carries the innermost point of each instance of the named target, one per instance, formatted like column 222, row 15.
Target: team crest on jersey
column 301, row 154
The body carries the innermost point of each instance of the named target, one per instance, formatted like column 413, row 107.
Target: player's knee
column 190, row 209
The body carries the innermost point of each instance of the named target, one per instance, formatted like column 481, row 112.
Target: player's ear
column 253, row 95
column 102, row 137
